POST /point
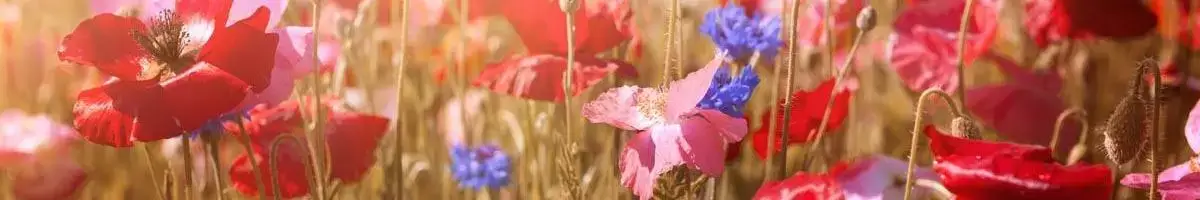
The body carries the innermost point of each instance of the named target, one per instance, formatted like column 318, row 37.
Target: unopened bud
column 866, row 19
column 1125, row 133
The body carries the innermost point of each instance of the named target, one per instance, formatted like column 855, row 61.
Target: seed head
column 1125, row 133
column 963, row 127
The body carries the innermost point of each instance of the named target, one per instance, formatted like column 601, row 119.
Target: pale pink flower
column 34, row 149
column 294, row 60
column 670, row 130
column 923, row 50
column 22, row 136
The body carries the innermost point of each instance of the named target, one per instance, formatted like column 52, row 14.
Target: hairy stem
column 244, row 140
column 153, row 172
column 1156, row 105
column 837, row 83
column 1079, row 115
column 962, row 50
column 272, row 163
column 916, row 132
column 779, row 169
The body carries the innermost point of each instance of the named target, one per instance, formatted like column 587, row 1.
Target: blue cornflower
column 727, row 94
column 486, row 166
column 732, row 30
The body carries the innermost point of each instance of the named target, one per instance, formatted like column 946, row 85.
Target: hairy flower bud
column 1125, row 133
column 963, row 127
column 866, row 19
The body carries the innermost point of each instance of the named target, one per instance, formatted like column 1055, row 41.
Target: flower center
column 166, row 42
column 651, row 103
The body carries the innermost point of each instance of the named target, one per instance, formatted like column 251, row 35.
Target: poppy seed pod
column 963, row 127
column 866, row 19
column 1125, row 132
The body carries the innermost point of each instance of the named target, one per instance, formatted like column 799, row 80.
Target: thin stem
column 670, row 42
column 830, row 42
column 272, row 163
column 1079, row 115
column 569, row 11
column 403, row 59
column 780, row 168
column 916, row 132
column 837, row 83
column 214, row 156
column 962, row 50
column 788, row 60
column 937, row 188
column 1154, row 123
column 317, row 142
column 187, row 166
column 153, row 173
column 244, row 140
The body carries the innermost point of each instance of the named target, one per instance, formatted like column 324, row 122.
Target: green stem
column 916, row 132
column 272, row 160
column 244, row 140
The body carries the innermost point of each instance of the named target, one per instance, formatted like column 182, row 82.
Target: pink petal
column 1178, row 182
column 810, row 27
column 1192, row 130
column 618, row 107
column 647, row 155
column 1021, row 110
column 49, row 179
column 110, row 6
column 924, row 47
column 539, row 77
column 295, row 49
column 873, row 178
column 685, row 93
column 243, row 9
column 704, row 137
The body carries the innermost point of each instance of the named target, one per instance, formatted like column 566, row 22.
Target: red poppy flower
column 807, row 110
column 924, row 49
column 801, row 187
column 1023, row 110
column 599, row 25
column 867, row 177
column 171, row 76
column 350, row 137
column 974, row 169
column 1115, row 19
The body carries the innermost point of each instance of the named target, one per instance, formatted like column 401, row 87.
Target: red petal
column 117, row 113
column 202, row 93
column 1107, row 18
column 216, row 10
column 352, row 144
column 106, row 41
column 973, row 169
column 539, row 77
column 1025, row 109
column 801, row 186
column 542, row 25
column 244, row 50
column 292, row 178
column 808, row 108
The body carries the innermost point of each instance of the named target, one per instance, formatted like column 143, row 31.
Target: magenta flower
column 671, row 131
column 923, row 50
column 34, row 149
column 810, row 26
column 1181, row 181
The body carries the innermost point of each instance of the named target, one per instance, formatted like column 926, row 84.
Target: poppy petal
column 244, row 50
column 684, row 94
column 292, row 179
column 807, row 111
column 539, row 77
column 202, row 93
column 542, row 26
column 647, row 155
column 352, row 143
column 1191, row 131
column 1018, row 109
column 246, row 9
column 705, row 134
column 106, row 42
column 215, row 10
column 801, row 186
column 118, row 112
column 618, row 107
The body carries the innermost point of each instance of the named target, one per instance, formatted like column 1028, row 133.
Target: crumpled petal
column 684, row 94
column 292, row 178
column 202, row 93
column 873, row 177
column 705, row 135
column 923, row 51
column 810, row 25
column 118, row 112
column 244, row 49
column 539, row 77
column 542, row 26
column 649, row 154
column 620, row 108
column 243, row 9
column 974, row 169
column 104, row 41
column 801, row 186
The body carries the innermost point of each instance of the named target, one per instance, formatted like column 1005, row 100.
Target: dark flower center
column 166, row 41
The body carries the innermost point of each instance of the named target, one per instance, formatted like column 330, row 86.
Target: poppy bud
column 963, row 127
column 1125, row 132
column 866, row 19
column 568, row 6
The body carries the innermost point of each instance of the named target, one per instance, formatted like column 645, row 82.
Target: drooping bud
column 963, row 127
column 1125, row 133
column 866, row 19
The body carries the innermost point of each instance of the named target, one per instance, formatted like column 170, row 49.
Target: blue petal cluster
column 728, row 94
column 732, row 30
column 486, row 166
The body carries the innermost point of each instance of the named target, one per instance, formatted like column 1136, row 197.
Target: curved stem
column 916, row 132
column 187, row 166
column 272, row 163
column 398, row 150
column 1080, row 115
column 152, row 170
column 936, row 187
column 244, row 139
column 962, row 50
column 837, row 82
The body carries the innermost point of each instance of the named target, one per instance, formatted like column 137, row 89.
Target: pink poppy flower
column 172, row 75
column 810, row 29
column 871, row 177
column 1024, row 109
column 294, row 60
column 671, row 131
column 974, row 169
column 923, row 50
column 34, row 148
column 1181, row 181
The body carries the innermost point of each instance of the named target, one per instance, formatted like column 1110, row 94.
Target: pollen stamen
column 165, row 42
